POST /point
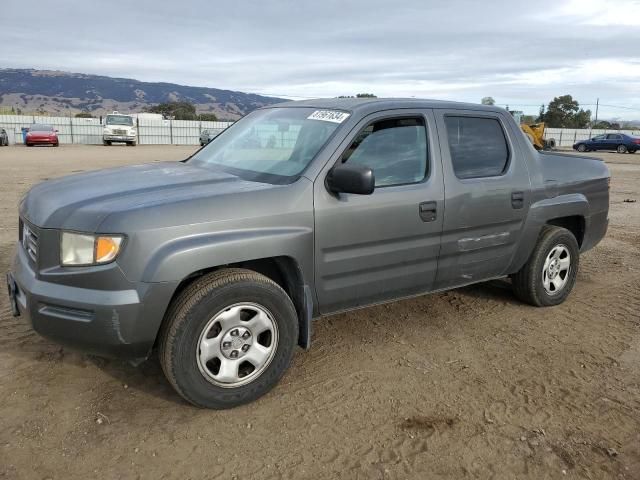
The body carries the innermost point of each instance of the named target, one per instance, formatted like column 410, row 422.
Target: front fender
column 540, row 213
column 179, row 258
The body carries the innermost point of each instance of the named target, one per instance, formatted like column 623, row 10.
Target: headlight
column 107, row 130
column 81, row 249
column 133, row 132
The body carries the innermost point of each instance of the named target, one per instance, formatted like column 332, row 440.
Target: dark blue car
column 618, row 142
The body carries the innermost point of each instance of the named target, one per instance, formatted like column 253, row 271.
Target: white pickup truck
column 119, row 128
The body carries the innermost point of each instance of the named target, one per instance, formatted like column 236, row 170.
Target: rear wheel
column 582, row 148
column 621, row 149
column 550, row 273
column 228, row 338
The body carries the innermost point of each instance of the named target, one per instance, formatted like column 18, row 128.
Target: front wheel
column 550, row 273
column 582, row 148
column 228, row 338
column 621, row 149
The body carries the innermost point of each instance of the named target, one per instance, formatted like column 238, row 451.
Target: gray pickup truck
column 298, row 211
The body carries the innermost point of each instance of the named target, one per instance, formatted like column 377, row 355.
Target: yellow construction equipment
column 535, row 134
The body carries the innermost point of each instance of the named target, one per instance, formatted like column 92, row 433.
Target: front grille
column 119, row 132
column 29, row 240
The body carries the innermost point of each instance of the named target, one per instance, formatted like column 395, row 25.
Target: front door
column 372, row 248
column 599, row 142
column 487, row 195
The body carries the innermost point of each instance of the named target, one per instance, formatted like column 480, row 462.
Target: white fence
column 88, row 131
column 566, row 137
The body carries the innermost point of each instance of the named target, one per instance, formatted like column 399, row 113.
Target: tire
column 192, row 321
column 582, row 148
column 29, row 144
column 621, row 149
column 529, row 282
column 57, row 144
column 131, row 144
column 632, row 151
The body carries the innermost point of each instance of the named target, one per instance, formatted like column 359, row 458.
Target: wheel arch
column 283, row 270
column 576, row 224
column 570, row 211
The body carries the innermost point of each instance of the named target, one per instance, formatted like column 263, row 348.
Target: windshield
column 119, row 120
column 272, row 145
column 40, row 128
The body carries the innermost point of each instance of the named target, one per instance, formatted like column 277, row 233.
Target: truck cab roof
column 365, row 106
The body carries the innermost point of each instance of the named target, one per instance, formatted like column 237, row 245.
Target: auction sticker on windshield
column 334, row 116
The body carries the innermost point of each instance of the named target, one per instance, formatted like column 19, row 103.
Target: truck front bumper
column 113, row 323
column 118, row 138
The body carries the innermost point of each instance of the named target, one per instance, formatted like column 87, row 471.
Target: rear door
column 378, row 247
column 487, row 195
column 613, row 140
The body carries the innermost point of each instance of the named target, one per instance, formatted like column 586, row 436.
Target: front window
column 119, row 120
column 273, row 145
column 395, row 149
column 40, row 128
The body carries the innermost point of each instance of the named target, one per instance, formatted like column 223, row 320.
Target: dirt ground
column 464, row 384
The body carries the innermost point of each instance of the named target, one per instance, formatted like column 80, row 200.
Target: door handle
column 517, row 200
column 428, row 211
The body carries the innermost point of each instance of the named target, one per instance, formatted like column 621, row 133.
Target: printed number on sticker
column 334, row 116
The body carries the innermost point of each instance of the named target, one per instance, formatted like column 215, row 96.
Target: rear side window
column 478, row 146
column 612, row 136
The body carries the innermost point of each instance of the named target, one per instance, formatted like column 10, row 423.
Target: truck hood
column 82, row 201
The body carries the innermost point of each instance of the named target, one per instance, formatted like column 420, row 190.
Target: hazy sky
column 519, row 52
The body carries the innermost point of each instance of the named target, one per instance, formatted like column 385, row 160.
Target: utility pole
column 597, row 106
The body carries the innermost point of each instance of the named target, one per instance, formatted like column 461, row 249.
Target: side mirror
column 351, row 178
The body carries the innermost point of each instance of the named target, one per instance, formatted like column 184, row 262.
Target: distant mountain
column 64, row 93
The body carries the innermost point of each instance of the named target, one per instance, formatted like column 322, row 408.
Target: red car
column 42, row 135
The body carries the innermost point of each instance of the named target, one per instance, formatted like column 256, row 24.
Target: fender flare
column 540, row 213
column 178, row 259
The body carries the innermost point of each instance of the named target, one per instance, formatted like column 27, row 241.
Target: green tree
column 207, row 117
column 603, row 124
column 176, row 110
column 565, row 112
column 488, row 101
column 84, row 115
